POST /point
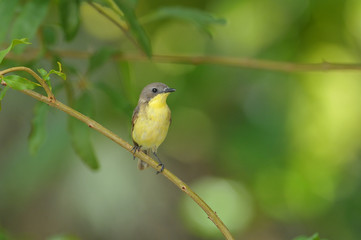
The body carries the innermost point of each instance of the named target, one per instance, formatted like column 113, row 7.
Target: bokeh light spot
column 229, row 199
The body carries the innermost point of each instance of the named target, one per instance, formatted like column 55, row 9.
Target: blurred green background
column 276, row 155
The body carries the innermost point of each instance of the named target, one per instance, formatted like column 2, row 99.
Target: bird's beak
column 169, row 90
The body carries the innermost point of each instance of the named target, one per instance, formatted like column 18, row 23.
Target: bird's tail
column 143, row 165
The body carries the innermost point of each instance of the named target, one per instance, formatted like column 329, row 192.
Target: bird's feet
column 135, row 149
column 161, row 169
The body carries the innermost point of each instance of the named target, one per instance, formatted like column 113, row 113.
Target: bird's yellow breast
column 151, row 126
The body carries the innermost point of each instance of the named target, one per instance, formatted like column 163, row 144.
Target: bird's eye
column 154, row 90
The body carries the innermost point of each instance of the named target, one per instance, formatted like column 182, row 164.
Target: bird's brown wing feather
column 170, row 117
column 134, row 117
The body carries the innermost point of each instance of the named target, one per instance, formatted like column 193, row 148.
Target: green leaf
column 38, row 129
column 31, row 15
column 19, row 83
column 99, row 58
column 43, row 73
column 58, row 72
column 127, row 7
column 46, row 75
column 2, row 94
column 69, row 17
column 15, row 42
column 7, row 10
column 80, row 132
column 3, row 91
column 197, row 17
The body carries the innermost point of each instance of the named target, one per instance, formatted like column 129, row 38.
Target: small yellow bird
column 151, row 120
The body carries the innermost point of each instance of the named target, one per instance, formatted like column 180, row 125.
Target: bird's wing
column 170, row 117
column 135, row 115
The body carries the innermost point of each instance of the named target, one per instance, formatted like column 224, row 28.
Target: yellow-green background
column 276, row 155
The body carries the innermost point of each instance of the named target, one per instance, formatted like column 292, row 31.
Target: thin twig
column 207, row 60
column 253, row 63
column 106, row 132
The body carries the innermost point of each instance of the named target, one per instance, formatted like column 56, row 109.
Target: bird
column 150, row 121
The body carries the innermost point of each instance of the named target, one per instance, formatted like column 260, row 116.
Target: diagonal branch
column 106, row 132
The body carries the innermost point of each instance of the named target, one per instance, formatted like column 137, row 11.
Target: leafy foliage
column 265, row 133
column 127, row 7
column 14, row 81
column 69, row 16
column 7, row 10
column 19, row 83
column 15, row 42
column 46, row 75
column 30, row 18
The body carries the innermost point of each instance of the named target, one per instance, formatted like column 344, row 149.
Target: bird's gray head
column 152, row 90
